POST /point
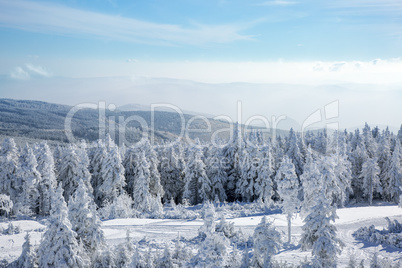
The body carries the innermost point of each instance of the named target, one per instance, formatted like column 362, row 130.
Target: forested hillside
column 41, row 120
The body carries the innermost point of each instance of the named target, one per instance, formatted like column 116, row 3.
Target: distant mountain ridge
column 139, row 107
column 42, row 120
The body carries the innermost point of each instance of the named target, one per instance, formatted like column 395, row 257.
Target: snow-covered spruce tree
column 59, row 246
column 383, row 159
column 267, row 242
column 103, row 258
column 138, row 179
column 197, row 186
column 214, row 250
column 124, row 252
column 333, row 187
column 47, row 183
column 97, row 154
column 344, row 175
column 264, row 188
column 28, row 177
column 166, row 259
column 311, row 182
column 320, row 144
column 172, row 173
column 82, row 153
column 357, row 157
column 371, row 182
column 6, row 205
column 230, row 155
column 57, row 155
column 318, row 231
column 217, row 174
column 248, row 164
column 155, row 187
column 338, row 149
column 369, row 142
column 113, row 181
column 288, row 190
column 72, row 169
column 28, row 257
column 209, row 219
column 293, row 152
column 141, row 195
column 85, row 222
column 394, row 174
column 130, row 163
column 9, row 165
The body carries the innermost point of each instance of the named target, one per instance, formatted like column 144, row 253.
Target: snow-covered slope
column 158, row 232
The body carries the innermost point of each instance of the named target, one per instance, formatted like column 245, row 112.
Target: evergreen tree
column 28, row 177
column 334, row 182
column 83, row 159
column 371, row 182
column 85, row 221
column 141, row 195
column 113, row 181
column 383, row 156
column 357, row 157
column 217, row 175
column 248, row 171
column 9, row 183
column 394, row 174
column 214, row 250
column 267, row 242
column 28, row 257
column 171, row 169
column 311, row 183
column 97, row 155
column 124, row 252
column 155, row 187
column 57, row 155
column 293, row 152
column 59, row 246
column 103, row 258
column 231, row 154
column 47, row 183
column 318, row 231
column 130, row 164
column 369, row 142
column 6, row 205
column 72, row 169
column 288, row 190
column 197, row 187
column 264, row 186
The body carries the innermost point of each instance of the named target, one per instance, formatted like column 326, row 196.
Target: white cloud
column 335, row 67
column 37, row 70
column 29, row 70
column 19, row 73
column 56, row 19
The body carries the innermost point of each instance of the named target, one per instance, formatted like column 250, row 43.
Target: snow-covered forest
column 73, row 189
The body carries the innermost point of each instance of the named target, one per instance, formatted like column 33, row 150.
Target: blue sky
column 309, row 42
column 203, row 30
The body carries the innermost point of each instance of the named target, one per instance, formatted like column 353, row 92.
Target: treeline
column 137, row 180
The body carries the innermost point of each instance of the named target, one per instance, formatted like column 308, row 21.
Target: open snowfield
column 159, row 232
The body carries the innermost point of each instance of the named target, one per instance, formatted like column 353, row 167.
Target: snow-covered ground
column 159, row 232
